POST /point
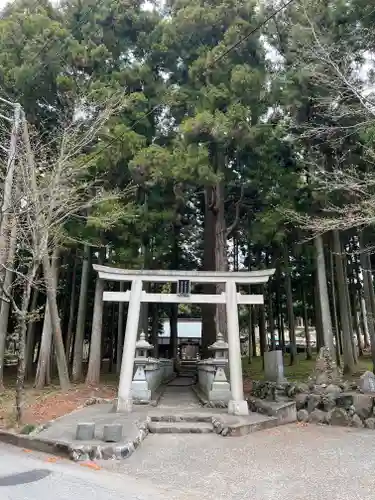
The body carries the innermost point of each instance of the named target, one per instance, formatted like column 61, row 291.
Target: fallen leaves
column 90, row 465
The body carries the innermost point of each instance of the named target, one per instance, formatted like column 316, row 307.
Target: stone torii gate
column 136, row 295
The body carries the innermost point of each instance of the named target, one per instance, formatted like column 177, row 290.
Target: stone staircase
column 187, row 369
column 208, row 421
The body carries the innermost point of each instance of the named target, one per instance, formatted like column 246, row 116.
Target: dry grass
column 48, row 403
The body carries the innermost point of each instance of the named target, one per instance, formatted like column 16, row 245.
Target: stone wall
column 333, row 404
column 149, row 375
column 212, row 380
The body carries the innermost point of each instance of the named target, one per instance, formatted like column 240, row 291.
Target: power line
column 248, row 35
column 232, row 47
column 157, row 106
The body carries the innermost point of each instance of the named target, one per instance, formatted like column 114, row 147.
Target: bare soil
column 49, row 403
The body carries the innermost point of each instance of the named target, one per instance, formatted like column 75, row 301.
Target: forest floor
column 50, row 403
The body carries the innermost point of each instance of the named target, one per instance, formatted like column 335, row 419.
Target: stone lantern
column 142, row 347
column 220, row 348
column 211, row 372
column 145, row 368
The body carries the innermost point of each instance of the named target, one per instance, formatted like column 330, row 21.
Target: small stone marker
column 112, row 433
column 367, row 382
column 85, row 431
column 274, row 366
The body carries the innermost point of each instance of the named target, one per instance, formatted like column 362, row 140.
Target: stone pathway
column 179, row 394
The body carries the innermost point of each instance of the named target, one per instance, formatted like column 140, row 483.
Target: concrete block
column 85, row 431
column 238, row 407
column 274, row 366
column 112, row 433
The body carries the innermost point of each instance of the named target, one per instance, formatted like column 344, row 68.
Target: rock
column 367, row 382
column 291, row 391
column 370, row 423
column 301, row 400
column 363, row 404
column 326, row 371
column 332, row 388
column 303, row 416
column 328, row 417
column 344, row 400
column 329, row 401
column 356, row 421
column 338, row 416
column 319, row 389
column 313, row 402
column 302, row 387
column 317, row 416
column 351, row 410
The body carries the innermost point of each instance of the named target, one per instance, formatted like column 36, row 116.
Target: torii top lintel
column 164, row 276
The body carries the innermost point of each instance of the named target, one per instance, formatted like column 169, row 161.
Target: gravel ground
column 287, row 463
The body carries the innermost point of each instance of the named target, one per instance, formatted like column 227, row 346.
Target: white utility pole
column 8, row 230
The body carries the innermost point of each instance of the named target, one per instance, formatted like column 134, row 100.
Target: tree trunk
column 262, row 331
column 250, row 333
column 5, row 304
column 318, row 315
column 30, row 337
column 253, row 336
column 353, row 306
column 323, row 295
column 43, row 376
column 371, row 283
column 120, row 331
column 173, row 326
column 348, row 359
column 221, row 257
column 173, row 319
column 208, row 310
column 306, row 325
column 289, row 300
column 271, row 319
column 337, row 331
column 21, row 340
column 62, row 366
column 93, row 372
column 282, row 331
column 367, row 284
column 72, row 306
column 365, row 330
column 279, row 309
column 81, row 318
column 352, row 324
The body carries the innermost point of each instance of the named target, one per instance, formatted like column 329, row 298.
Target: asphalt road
column 34, row 476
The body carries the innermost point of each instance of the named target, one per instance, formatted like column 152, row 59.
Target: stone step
column 180, row 427
column 284, row 411
column 186, row 417
column 229, row 425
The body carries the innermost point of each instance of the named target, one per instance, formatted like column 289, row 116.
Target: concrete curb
column 34, row 443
